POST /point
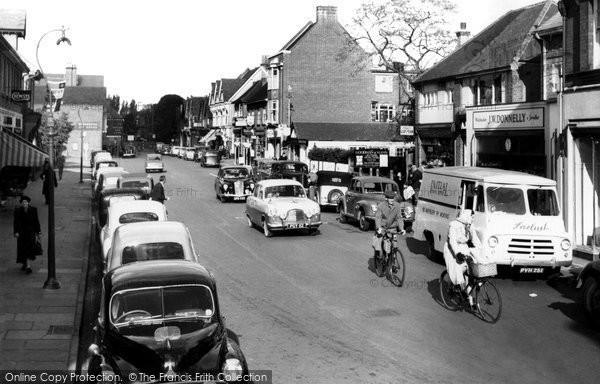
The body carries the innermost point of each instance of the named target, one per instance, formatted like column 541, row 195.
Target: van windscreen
column 542, row 202
column 505, row 199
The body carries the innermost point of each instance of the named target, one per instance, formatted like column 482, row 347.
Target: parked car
column 111, row 196
column 129, row 212
column 198, row 151
column 164, row 150
column 331, row 186
column 175, row 150
column 136, row 180
column 129, row 151
column 102, row 164
column 362, row 198
column 99, row 155
column 234, row 182
column 190, row 152
column 150, row 240
column 210, row 158
column 280, row 205
column 107, row 179
column 262, row 168
column 293, row 170
column 154, row 163
column 162, row 318
column 589, row 282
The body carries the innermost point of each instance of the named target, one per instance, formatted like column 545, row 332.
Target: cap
column 390, row 194
column 25, row 198
column 162, row 178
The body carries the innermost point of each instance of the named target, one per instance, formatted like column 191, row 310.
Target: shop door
column 587, row 182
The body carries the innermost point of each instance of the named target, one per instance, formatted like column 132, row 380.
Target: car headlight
column 374, row 207
column 232, row 369
column 492, row 241
column 565, row 244
column 225, row 187
column 252, row 186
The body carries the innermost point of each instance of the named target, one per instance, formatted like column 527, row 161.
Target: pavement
column 39, row 328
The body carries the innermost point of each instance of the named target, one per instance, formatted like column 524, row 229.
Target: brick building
column 197, row 119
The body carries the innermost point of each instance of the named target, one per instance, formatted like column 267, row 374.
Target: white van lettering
column 436, row 213
column 439, row 188
column 531, row 227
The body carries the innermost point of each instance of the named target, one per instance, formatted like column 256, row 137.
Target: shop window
column 484, row 89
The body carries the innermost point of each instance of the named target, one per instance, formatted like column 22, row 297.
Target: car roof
column 277, row 182
column 123, row 191
column 111, row 171
column 135, row 176
column 153, row 230
column 235, row 167
column 122, row 207
column 157, row 273
column 374, row 179
column 491, row 175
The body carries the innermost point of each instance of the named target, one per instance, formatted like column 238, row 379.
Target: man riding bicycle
column 388, row 216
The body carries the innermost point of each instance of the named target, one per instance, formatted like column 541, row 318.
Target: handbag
column 37, row 246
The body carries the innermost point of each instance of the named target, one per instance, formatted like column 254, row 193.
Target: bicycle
column 391, row 261
column 488, row 302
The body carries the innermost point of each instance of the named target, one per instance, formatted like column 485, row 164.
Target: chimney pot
column 463, row 35
column 463, row 26
column 326, row 13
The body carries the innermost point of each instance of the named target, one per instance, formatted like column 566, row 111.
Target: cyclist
column 388, row 216
column 462, row 245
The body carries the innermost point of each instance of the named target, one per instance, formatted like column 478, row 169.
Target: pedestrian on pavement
column 27, row 231
column 46, row 184
column 61, row 166
column 158, row 192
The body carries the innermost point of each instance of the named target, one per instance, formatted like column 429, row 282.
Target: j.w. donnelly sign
column 514, row 118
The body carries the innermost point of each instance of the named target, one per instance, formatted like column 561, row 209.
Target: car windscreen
column 235, row 173
column 284, row 191
column 111, row 181
column 542, row 202
column 294, row 167
column 153, row 158
column 136, row 217
column 116, row 199
column 135, row 184
column 508, row 200
column 139, row 312
column 106, row 165
column 377, row 187
column 152, row 251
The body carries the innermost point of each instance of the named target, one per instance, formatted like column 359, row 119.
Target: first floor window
column 382, row 112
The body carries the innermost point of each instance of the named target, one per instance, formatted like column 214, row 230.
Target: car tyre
column 363, row 223
column 332, row 194
column 343, row 218
column 266, row 230
column 590, row 298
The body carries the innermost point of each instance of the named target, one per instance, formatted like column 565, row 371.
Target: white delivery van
column 516, row 215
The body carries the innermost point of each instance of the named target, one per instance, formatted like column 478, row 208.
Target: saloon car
column 362, row 198
column 154, row 163
column 162, row 318
column 210, row 158
column 106, row 179
column 111, row 196
column 128, row 212
column 233, row 183
column 129, row 151
column 136, row 180
column 589, row 281
column 280, row 205
column 102, row 164
column 331, row 186
column 150, row 240
column 293, row 170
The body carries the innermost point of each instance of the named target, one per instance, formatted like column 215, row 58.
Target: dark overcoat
column 27, row 225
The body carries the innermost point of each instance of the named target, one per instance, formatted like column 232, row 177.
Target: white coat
column 459, row 234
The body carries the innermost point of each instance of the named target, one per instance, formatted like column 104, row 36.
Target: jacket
column 388, row 217
column 158, row 193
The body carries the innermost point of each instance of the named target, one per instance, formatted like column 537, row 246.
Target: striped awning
column 16, row 151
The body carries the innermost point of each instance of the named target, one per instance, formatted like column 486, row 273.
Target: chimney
column 463, row 35
column 71, row 76
column 326, row 13
column 264, row 60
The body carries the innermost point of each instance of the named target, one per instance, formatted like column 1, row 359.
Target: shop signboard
column 371, row 157
column 509, row 118
column 407, row 130
column 270, row 133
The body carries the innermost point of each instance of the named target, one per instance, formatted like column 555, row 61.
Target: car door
column 251, row 204
column 218, row 182
column 352, row 196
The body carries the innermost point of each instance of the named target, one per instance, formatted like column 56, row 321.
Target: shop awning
column 211, row 135
column 16, row 151
column 431, row 131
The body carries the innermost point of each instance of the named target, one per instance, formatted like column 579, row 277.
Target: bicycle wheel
column 379, row 263
column 489, row 302
column 449, row 298
column 397, row 268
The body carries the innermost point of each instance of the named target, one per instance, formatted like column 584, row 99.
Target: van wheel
column 432, row 253
column 363, row 224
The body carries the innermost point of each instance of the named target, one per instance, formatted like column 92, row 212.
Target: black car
column 293, row 170
column 162, row 319
column 234, row 182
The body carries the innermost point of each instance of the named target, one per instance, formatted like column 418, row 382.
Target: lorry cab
column 516, row 215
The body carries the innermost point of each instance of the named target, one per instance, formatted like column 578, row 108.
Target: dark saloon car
column 589, row 280
column 162, row 318
column 331, row 186
column 136, row 180
column 292, row 170
column 234, row 183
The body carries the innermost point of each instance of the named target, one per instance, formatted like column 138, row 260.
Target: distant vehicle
column 262, row 168
column 190, row 152
column 150, row 240
column 99, row 155
column 198, row 151
column 292, row 170
column 182, row 152
column 127, row 212
column 234, row 183
column 362, row 198
column 175, row 150
column 164, row 150
column 158, row 147
column 162, row 318
column 129, row 151
column 154, row 163
column 102, row 164
column 281, row 205
column 210, row 158
column 136, row 180
column 331, row 186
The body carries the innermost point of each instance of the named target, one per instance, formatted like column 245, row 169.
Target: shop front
column 435, row 143
column 512, row 137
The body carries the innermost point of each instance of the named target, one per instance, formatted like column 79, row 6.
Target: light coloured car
column 154, row 163
column 190, row 153
column 154, row 240
column 102, row 164
column 107, row 178
column 136, row 180
column 127, row 212
column 280, row 205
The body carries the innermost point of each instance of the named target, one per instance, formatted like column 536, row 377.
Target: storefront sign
column 407, row 130
column 371, row 158
column 511, row 118
column 270, row 133
column 20, row 95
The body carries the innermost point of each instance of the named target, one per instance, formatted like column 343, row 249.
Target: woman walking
column 26, row 230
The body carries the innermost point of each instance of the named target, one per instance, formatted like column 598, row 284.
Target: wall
column 90, row 114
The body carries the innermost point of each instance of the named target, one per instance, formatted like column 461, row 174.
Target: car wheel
column 250, row 223
column 342, row 214
column 363, row 223
column 590, row 297
column 334, row 196
column 266, row 229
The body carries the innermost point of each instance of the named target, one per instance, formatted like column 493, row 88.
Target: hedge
column 334, row 155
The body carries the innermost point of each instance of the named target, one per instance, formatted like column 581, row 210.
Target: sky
column 146, row 49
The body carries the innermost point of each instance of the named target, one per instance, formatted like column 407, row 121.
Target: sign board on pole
column 130, row 137
column 407, row 130
column 371, row 157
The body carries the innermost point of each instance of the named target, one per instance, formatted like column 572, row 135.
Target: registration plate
column 239, row 197
column 531, row 270
column 300, row 225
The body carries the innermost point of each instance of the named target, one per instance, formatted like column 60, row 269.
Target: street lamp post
column 51, row 282
column 80, row 149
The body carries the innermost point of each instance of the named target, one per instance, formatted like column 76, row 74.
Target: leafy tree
column 335, row 155
column 168, row 117
column 62, row 129
column 115, row 102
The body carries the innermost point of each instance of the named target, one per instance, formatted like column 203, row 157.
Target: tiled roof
column 344, row 131
column 494, row 47
column 297, row 36
column 112, row 113
column 84, row 95
column 257, row 92
column 553, row 22
column 229, row 86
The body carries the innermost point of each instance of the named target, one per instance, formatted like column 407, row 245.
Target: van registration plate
column 531, row 270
